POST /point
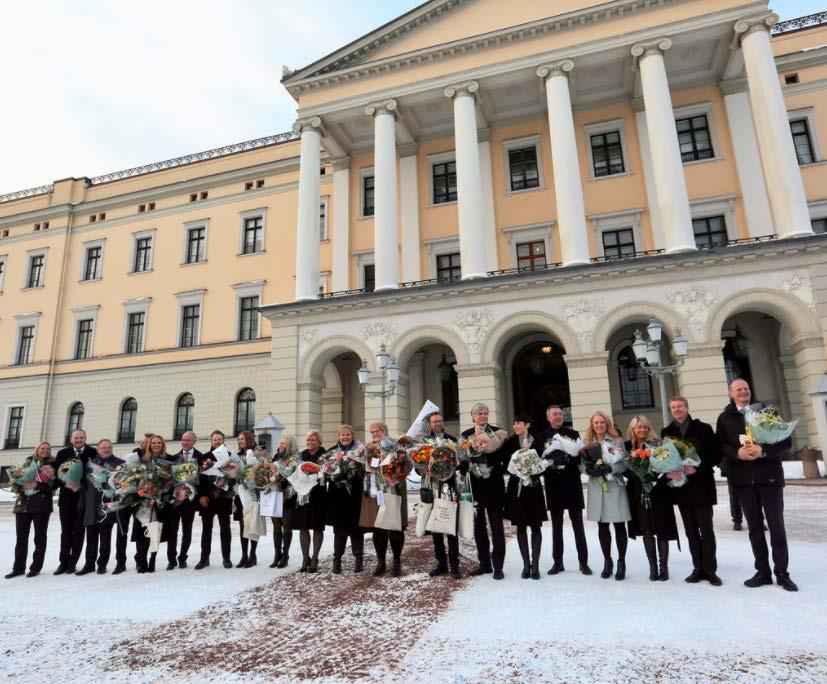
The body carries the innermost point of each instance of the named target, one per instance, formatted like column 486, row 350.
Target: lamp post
column 647, row 353
column 389, row 372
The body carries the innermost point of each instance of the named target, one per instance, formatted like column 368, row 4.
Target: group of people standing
column 351, row 507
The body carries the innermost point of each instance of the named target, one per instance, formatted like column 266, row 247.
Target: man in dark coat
column 489, row 500
column 212, row 502
column 98, row 528
column 697, row 497
column 71, row 504
column 183, row 513
column 564, row 492
column 124, row 518
column 758, row 478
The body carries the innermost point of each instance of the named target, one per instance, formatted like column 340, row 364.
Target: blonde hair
column 37, row 448
column 378, row 426
column 344, row 427
column 316, row 433
column 611, row 430
column 148, row 453
column 289, row 442
column 630, row 432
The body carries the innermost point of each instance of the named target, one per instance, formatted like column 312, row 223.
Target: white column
column 748, row 163
column 489, row 220
column 648, row 177
column 667, row 167
column 386, row 196
column 772, row 127
column 469, row 181
column 307, row 220
column 341, row 224
column 571, row 214
column 409, row 203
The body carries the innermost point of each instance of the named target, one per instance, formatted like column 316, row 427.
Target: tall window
column 25, row 345
column 803, row 141
column 531, row 255
column 448, row 267
column 253, row 235
column 820, row 226
column 92, row 269
column 189, row 325
column 135, row 332
column 196, row 244
column 709, row 232
column 83, row 343
column 129, row 415
column 635, row 383
column 694, row 139
column 522, row 164
column 2, row 272
column 607, row 154
column 245, row 410
column 248, row 318
column 618, row 243
column 368, row 193
column 323, row 220
column 76, row 412
column 36, row 271
column 445, row 182
column 369, row 273
column 14, row 428
column 183, row 415
column 143, row 255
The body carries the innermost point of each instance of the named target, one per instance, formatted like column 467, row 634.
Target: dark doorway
column 540, row 378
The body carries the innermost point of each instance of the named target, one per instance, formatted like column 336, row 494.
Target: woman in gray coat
column 607, row 503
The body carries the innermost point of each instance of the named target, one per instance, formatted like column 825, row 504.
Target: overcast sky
column 101, row 85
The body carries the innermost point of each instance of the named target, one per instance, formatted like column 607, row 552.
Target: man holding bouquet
column 184, row 513
column 757, row 475
column 70, row 503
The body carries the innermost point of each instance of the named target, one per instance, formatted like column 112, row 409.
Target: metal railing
column 799, row 23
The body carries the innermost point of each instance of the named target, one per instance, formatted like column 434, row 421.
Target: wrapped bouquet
column 30, row 471
column 689, row 456
column 666, row 458
column 607, row 453
column 70, row 472
column 287, row 465
column 443, row 461
column 306, row 476
column 396, row 467
column 560, row 443
column 226, row 470
column 421, row 456
column 340, row 465
column 640, row 463
column 184, row 481
column 767, row 427
column 525, row 464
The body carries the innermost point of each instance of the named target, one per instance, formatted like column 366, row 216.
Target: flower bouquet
column 226, row 470
column 70, row 472
column 30, row 471
column 306, row 476
column 396, row 467
column 287, row 465
column 525, row 463
column 421, row 456
column 592, row 456
column 184, row 481
column 339, row 466
column 443, row 461
column 666, row 458
column 475, row 448
column 767, row 427
column 689, row 456
column 639, row 462
column 559, row 443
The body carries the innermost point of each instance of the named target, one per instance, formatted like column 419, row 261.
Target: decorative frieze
column 582, row 316
column 379, row 333
column 472, row 327
column 587, row 360
column 694, row 304
column 799, row 284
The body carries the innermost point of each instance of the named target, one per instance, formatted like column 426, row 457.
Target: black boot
column 455, row 573
column 251, row 559
column 380, row 568
column 440, row 569
column 652, row 556
column 305, row 565
column 314, row 565
column 608, row 568
column 621, row 569
column 359, row 563
column 337, row 566
column 277, row 544
column 663, row 552
column 243, row 562
column 535, row 568
column 396, row 567
column 151, row 565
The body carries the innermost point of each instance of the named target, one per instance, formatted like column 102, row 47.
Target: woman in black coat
column 344, row 502
column 525, row 504
column 34, row 510
column 310, row 515
column 145, row 561
column 246, row 441
column 654, row 521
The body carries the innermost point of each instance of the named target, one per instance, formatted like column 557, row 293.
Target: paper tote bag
column 466, row 519
column 153, row 531
column 389, row 516
column 423, row 512
column 443, row 519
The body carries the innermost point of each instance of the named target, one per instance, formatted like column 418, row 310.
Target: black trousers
column 207, row 518
column 98, row 536
column 700, row 534
column 451, row 559
column 380, row 542
column 357, row 541
column 124, row 515
column 23, row 524
column 490, row 554
column 71, row 532
column 576, row 518
column 734, row 504
column 769, row 499
column 179, row 517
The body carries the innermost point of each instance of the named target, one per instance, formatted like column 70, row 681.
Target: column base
column 682, row 248
column 474, row 276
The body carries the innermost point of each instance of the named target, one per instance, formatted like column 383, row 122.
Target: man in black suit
column 182, row 514
column 213, row 502
column 71, row 504
column 697, row 497
column 124, row 518
column 758, row 478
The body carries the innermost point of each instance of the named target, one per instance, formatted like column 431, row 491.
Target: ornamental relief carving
column 472, row 327
column 695, row 305
column 308, row 339
column 379, row 333
column 799, row 284
column 582, row 316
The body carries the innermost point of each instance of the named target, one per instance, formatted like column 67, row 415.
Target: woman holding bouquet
column 344, row 500
column 525, row 505
column 156, row 453
column 286, row 457
column 650, row 503
column 607, row 503
column 246, row 442
column 33, row 507
column 310, row 509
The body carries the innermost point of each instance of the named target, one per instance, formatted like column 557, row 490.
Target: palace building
column 498, row 193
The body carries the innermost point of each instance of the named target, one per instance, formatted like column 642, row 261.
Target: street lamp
column 389, row 372
column 647, row 353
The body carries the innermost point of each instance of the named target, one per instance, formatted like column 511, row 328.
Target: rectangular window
column 819, row 228
column 196, row 244
column 710, row 232
column 135, row 332
column 323, row 220
column 143, row 255
column 189, row 325
column 253, row 235
column 92, row 269
column 802, row 141
column 607, row 154
column 36, row 271
column 445, row 182
column 522, row 164
column 618, row 243
column 248, row 318
column 25, row 345
column 2, row 272
column 368, row 187
column 83, row 343
column 694, row 139
column 14, row 428
column 369, row 274
column 531, row 255
column 448, row 267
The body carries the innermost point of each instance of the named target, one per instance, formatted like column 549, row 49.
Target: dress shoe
column 14, row 573
column 275, row 563
column 456, row 574
column 585, row 569
column 714, row 580
column 305, row 565
column 251, row 562
column 758, row 580
column 85, row 570
column 70, row 569
column 182, row 563
column 785, row 582
column 526, row 573
column 283, row 561
column 481, row 570
column 608, row 568
column 380, row 569
column 695, row 577
column 498, row 575
column 396, row 568
column 200, row 565
column 621, row 570
column 61, row 569
column 227, row 563
column 101, row 571
column 32, row 573
column 535, row 572
column 737, row 526
column 172, row 565
column 119, row 569
column 555, row 569
column 438, row 570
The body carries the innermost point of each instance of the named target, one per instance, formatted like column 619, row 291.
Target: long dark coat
column 660, row 518
column 699, row 489
column 311, row 516
column 490, row 492
column 529, row 506
column 564, row 490
column 343, row 501
column 220, row 501
column 66, row 497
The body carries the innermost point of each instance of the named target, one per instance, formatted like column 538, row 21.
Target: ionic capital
column 760, row 22
column 312, row 123
column 383, row 107
column 561, row 68
column 463, row 90
column 653, row 47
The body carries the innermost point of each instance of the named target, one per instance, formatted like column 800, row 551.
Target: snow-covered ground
column 281, row 625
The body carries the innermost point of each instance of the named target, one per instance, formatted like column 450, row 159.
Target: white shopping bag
column 389, row 516
column 423, row 512
column 466, row 519
column 153, row 531
column 272, row 504
column 443, row 518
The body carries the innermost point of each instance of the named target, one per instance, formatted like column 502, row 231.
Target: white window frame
column 249, row 214
column 688, row 112
column 808, row 114
column 616, row 220
column 529, row 233
column 30, row 255
column 7, row 420
column 101, row 242
column 139, row 236
column 598, row 128
column 430, row 161
column 364, row 173
column 440, row 247
column 717, row 206
column 364, row 257
column 324, row 228
column 254, row 288
column 324, row 280
column 188, row 299
column 188, row 226
column 24, row 320
column 83, row 313
column 3, row 266
column 130, row 306
column 516, row 144
column 817, row 209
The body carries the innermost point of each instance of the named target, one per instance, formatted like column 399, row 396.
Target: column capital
column 465, row 89
column 561, row 68
column 383, row 107
column 652, row 47
column 759, row 22
column 311, row 123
